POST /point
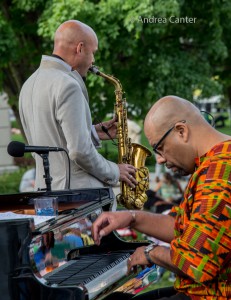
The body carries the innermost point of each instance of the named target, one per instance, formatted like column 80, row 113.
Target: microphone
column 17, row 149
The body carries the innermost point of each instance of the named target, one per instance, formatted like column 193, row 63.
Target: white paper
column 37, row 219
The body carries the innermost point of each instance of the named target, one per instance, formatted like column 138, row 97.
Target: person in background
column 28, row 181
column 134, row 131
column 169, row 189
column 166, row 193
column 54, row 111
column 199, row 229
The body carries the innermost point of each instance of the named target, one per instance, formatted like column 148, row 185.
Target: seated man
column 199, row 230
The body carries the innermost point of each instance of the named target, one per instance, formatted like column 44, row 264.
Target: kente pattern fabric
column 202, row 244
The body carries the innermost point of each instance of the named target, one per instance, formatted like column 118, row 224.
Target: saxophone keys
column 141, row 173
column 138, row 203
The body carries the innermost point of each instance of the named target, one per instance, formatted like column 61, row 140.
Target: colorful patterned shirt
column 202, row 244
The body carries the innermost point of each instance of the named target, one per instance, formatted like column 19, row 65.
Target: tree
column 151, row 46
column 20, row 45
column 224, row 70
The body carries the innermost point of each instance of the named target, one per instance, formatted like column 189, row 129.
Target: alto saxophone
column 128, row 152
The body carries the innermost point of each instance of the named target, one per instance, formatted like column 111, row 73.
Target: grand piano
column 58, row 259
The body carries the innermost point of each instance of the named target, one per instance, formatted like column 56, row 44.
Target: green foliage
column 151, row 59
column 20, row 46
column 225, row 130
column 9, row 182
column 18, row 138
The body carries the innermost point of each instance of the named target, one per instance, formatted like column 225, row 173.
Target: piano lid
column 55, row 238
column 66, row 198
column 49, row 250
column 63, row 258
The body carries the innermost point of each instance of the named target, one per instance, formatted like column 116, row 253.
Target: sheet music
column 37, row 219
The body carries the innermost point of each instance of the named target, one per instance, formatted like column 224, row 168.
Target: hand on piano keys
column 137, row 259
column 110, row 221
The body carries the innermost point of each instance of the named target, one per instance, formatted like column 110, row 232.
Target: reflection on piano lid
column 50, row 249
column 49, row 257
column 63, row 261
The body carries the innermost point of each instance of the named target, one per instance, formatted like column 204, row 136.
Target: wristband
column 132, row 212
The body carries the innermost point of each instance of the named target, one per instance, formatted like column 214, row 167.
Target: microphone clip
column 46, row 165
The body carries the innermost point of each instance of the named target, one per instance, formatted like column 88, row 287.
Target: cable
column 69, row 169
column 104, row 129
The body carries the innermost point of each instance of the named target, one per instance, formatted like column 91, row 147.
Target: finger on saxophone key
column 133, row 181
column 127, row 175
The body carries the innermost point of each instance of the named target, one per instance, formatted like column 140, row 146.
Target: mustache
column 169, row 166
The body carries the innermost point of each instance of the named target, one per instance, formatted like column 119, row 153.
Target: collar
column 58, row 60
column 221, row 148
column 57, row 56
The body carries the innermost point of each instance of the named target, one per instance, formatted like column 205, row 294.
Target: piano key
column 99, row 284
column 74, row 274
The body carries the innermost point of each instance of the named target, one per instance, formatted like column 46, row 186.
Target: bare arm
column 156, row 225
column 158, row 186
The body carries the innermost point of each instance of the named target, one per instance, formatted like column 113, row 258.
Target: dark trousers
column 163, row 293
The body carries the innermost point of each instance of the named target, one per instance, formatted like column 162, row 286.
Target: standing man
column 54, row 110
column 199, row 230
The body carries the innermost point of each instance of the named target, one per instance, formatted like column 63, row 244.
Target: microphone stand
column 46, row 167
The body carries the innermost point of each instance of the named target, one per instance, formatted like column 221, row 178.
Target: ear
column 79, row 47
column 183, row 131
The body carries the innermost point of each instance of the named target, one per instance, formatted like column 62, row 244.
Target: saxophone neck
column 110, row 78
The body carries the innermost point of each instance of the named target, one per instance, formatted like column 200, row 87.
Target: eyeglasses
column 157, row 145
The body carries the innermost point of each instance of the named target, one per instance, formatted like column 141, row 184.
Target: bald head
column 184, row 137
column 171, row 109
column 71, row 33
column 74, row 42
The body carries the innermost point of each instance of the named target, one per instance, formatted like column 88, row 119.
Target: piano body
column 58, row 259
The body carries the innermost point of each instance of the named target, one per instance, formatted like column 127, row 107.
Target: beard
column 177, row 170
column 181, row 172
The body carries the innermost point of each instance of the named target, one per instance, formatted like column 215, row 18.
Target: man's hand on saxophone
column 127, row 174
column 107, row 130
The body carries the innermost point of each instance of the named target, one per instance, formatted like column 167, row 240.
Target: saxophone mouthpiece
column 94, row 69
